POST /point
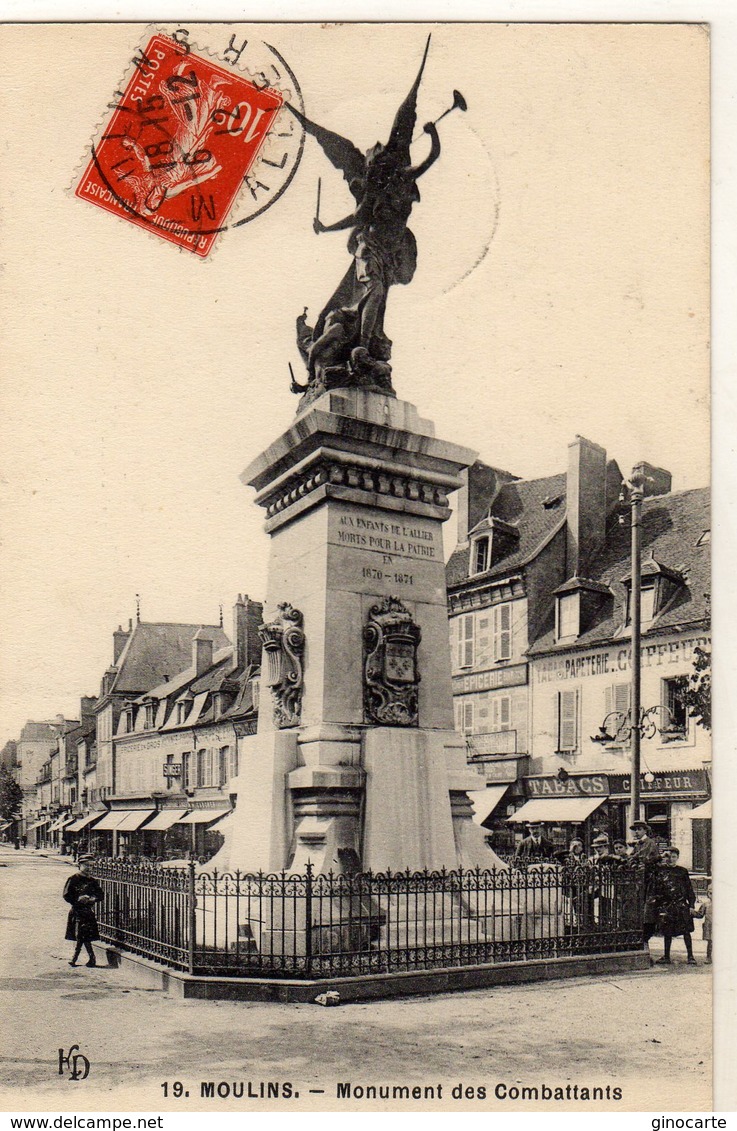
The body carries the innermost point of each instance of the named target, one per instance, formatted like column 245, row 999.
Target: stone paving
column 648, row 1033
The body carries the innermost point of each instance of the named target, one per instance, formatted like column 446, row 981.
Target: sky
column 561, row 289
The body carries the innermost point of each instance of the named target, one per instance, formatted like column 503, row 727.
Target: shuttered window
column 466, row 641
column 467, row 718
column 617, row 698
column 501, row 714
column 503, row 631
column 567, row 720
column 568, row 615
column 233, row 762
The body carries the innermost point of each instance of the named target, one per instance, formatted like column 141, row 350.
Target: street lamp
column 619, row 726
column 637, row 723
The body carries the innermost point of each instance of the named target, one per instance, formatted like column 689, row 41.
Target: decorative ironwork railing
column 307, row 926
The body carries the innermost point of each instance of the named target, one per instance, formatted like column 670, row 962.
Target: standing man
column 534, row 848
column 83, row 892
column 601, row 887
column 646, row 850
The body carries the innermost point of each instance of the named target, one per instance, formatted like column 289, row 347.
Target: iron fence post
column 191, row 915
column 308, row 918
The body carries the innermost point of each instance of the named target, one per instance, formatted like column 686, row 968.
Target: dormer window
column 491, row 540
column 647, row 603
column 182, row 711
column 129, row 712
column 658, row 585
column 568, row 607
column 480, row 554
column 578, row 603
column 150, row 713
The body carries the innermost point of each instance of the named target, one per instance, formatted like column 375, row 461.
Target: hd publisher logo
column 75, row 1061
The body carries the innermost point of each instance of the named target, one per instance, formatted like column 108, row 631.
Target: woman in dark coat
column 83, row 892
column 669, row 901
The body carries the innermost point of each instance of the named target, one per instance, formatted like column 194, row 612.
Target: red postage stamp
column 180, row 143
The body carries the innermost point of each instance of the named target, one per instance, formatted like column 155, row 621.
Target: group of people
column 670, row 903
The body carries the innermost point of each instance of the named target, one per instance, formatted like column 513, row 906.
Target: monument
column 356, row 765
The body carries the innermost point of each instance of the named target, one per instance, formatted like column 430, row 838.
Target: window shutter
column 505, row 712
column 502, row 631
column 468, row 716
column 458, row 709
column 567, row 720
column 466, row 643
column 621, row 697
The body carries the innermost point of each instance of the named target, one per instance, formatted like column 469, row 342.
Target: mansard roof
column 672, row 530
column 153, row 651
column 536, row 507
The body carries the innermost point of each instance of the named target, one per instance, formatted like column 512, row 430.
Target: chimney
column 656, row 480
column 247, row 617
column 87, row 708
column 202, row 645
column 586, row 498
column 120, row 638
column 481, row 485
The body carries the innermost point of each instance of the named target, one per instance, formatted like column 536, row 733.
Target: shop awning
column 202, row 816
column 164, row 819
column 485, row 801
column 111, row 820
column 223, row 822
column 557, row 810
column 60, row 822
column 83, row 822
column 38, row 824
column 701, row 812
column 133, row 819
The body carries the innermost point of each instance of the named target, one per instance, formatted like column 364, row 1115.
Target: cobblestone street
column 648, row 1034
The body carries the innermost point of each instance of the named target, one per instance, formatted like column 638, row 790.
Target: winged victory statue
column 347, row 346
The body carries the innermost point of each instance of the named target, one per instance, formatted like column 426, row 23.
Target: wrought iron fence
column 306, row 926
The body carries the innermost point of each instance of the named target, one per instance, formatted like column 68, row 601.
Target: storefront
column 567, row 805
column 584, row 805
column 206, row 840
column 667, row 801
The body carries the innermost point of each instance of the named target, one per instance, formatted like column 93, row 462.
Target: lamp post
column 636, row 493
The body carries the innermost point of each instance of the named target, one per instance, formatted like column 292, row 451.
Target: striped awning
column 202, row 816
column 557, row 810
column 164, row 819
column 60, row 822
column 133, row 819
column 111, row 820
column 83, row 822
column 485, row 801
column 224, row 822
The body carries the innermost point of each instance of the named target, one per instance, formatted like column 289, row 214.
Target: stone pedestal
column 355, row 493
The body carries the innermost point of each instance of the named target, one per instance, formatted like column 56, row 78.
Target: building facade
column 539, row 608
column 172, row 746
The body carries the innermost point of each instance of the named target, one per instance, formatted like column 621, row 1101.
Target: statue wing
column 406, row 116
column 343, row 154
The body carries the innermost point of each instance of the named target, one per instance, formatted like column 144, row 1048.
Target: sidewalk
column 648, row 1033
